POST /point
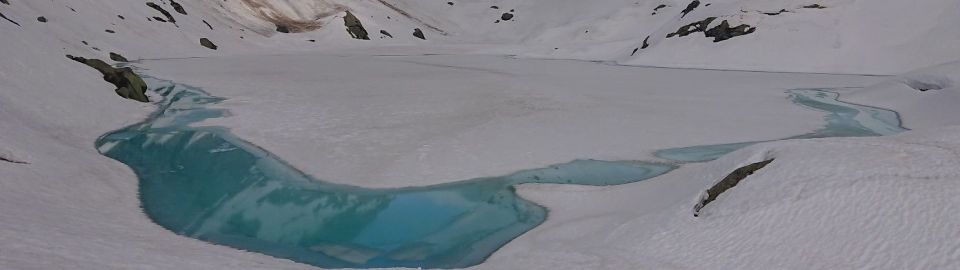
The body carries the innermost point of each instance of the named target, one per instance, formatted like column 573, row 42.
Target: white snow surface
column 877, row 203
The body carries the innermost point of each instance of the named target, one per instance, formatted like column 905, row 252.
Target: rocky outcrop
column 727, row 183
column 129, row 84
column 419, row 34
column 699, row 26
column 724, row 31
column 117, row 57
column 207, row 43
column 354, row 27
column 718, row 33
column 162, row 11
column 385, row 33
column 177, row 7
column 5, row 2
column 690, row 7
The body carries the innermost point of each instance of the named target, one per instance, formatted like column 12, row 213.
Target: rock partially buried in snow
column 129, row 84
column 117, row 57
column 419, row 34
column 728, row 182
column 207, row 43
column 354, row 27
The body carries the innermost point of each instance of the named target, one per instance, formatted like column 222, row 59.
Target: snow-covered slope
column 850, row 203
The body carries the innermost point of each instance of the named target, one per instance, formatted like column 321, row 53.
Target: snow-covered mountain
column 828, row 203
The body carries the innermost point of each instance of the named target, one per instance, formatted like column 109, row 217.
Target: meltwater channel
column 205, row 183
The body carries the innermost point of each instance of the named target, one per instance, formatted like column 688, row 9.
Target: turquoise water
column 205, row 183
column 843, row 120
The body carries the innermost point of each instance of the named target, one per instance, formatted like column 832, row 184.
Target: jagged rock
column 724, row 31
column 117, row 57
column 178, row 8
column 419, row 34
column 41, row 19
column 129, row 84
column 385, row 33
column 162, row 11
column 354, row 27
column 645, row 43
column 207, row 43
column 718, row 33
column 690, row 7
column 699, row 26
column 506, row 17
column 728, row 182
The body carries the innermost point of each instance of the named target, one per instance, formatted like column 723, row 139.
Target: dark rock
column 690, row 7
column 178, row 8
column 450, row 3
column 816, row 6
column 162, row 11
column 634, row 51
column 385, row 33
column 283, row 28
column 659, row 7
column 354, row 27
column 110, row 31
column 121, row 17
column 724, row 31
column 158, row 19
column 419, row 34
column 85, row 42
column 207, row 43
column 5, row 2
column 776, row 13
column 208, row 24
column 699, row 26
column 41, row 19
column 645, row 43
column 506, row 17
column 312, row 40
column 5, row 159
column 494, row 7
column 8, row 19
column 117, row 57
column 129, row 84
column 727, row 183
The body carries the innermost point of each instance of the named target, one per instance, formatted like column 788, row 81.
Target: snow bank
column 926, row 98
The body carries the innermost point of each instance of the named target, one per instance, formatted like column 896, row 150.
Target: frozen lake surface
column 206, row 183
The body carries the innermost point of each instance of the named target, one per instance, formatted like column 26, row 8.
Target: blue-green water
column 843, row 120
column 205, row 183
